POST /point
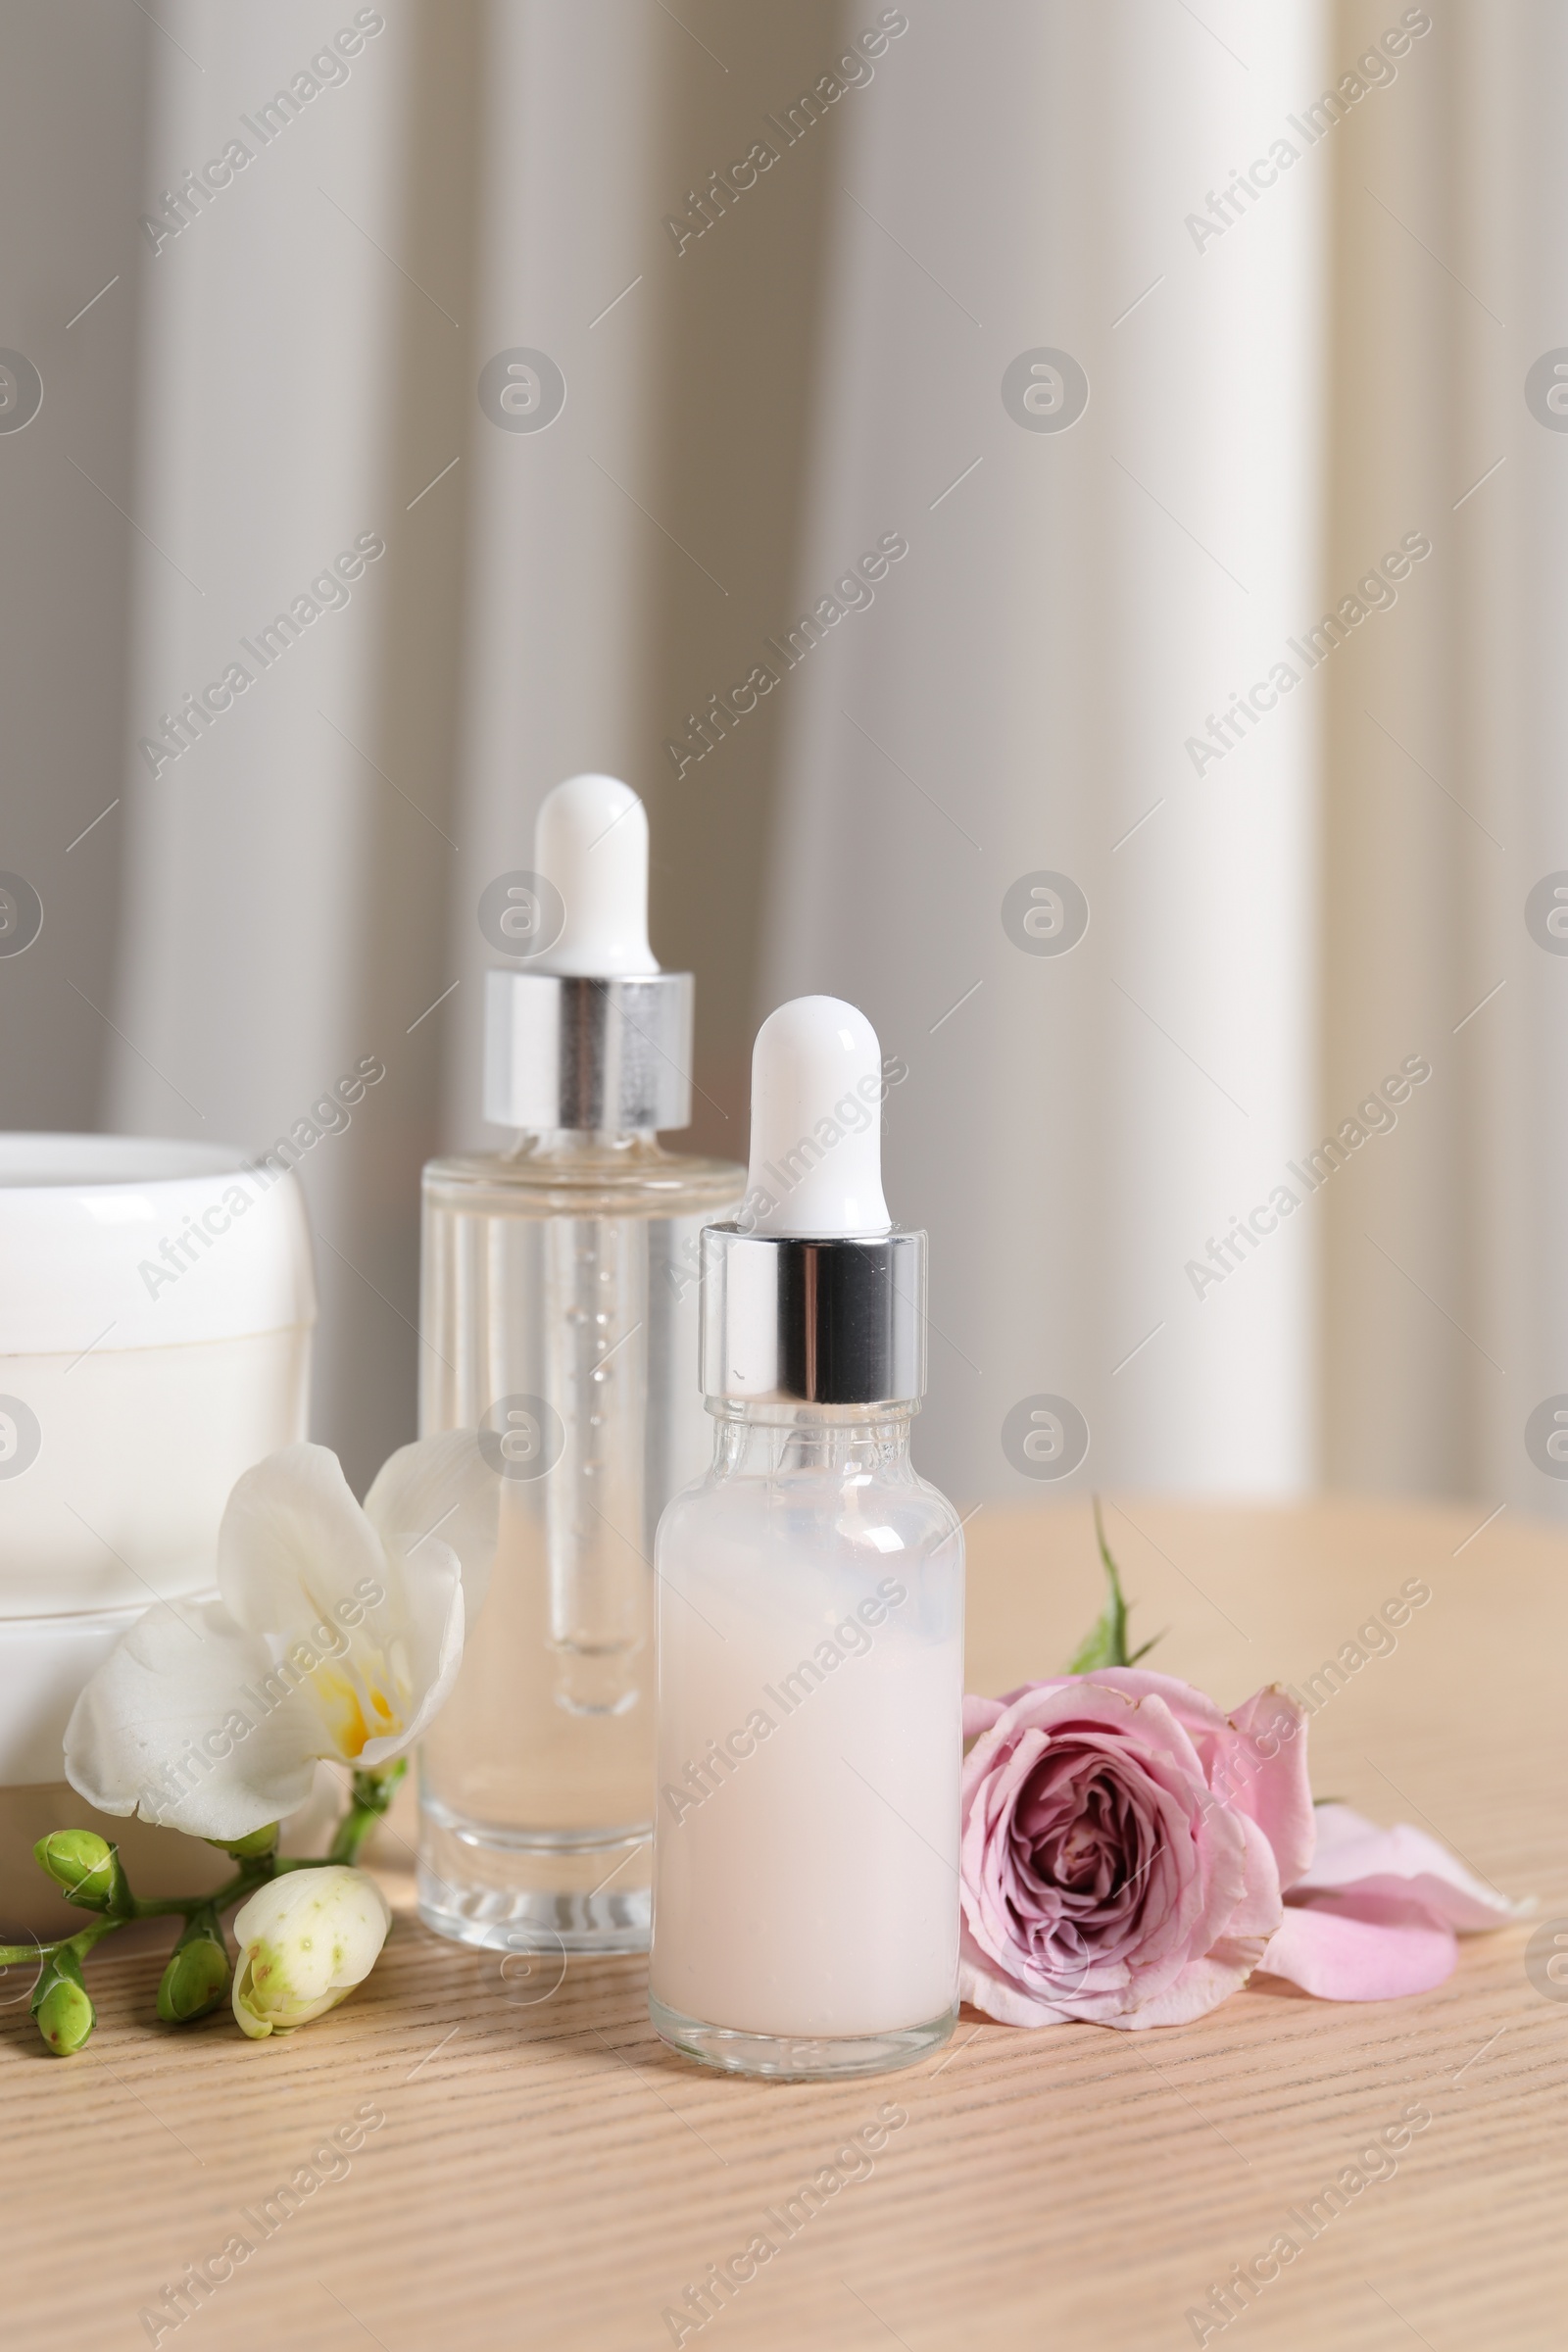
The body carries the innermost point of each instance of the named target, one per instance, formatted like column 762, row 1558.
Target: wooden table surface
column 547, row 2173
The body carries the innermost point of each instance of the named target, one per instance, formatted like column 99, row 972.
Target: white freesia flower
column 338, row 1635
column 305, row 1942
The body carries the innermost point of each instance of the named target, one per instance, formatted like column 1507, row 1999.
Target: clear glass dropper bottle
column 558, row 1310
column 811, row 1614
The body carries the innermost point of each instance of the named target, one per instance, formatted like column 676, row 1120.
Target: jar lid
column 44, row 1662
column 119, row 1242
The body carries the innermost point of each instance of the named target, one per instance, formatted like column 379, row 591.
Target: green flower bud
column 80, row 1862
column 61, row 2004
column 196, row 1976
column 251, row 1849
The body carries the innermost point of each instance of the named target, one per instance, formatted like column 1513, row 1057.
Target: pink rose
column 1130, row 1855
column 1124, row 1846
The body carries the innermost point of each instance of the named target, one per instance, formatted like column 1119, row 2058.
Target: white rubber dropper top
column 591, row 841
column 816, row 1122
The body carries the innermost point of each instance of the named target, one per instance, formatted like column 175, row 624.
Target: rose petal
column 1275, row 1789
column 1208, row 1731
column 980, row 1714
column 1254, row 1759
column 1186, row 1703
column 985, row 1986
column 1202, row 1986
column 1404, row 1862
column 1259, row 1910
column 1361, row 1947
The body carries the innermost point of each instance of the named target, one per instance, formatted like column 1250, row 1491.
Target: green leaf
column 1106, row 1643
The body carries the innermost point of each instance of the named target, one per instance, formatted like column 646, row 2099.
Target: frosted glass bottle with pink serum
column 811, row 1613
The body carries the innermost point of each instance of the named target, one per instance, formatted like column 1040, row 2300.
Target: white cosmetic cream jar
column 156, row 1308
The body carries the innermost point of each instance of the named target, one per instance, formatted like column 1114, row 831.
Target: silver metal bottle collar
column 611, row 1056
column 790, row 1320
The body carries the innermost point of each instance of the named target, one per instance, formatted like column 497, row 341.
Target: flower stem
column 84, row 1938
column 372, row 1794
column 12, row 1955
column 178, row 1906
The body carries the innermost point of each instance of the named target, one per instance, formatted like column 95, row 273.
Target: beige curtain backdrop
column 1446, row 1300
column 1075, row 1127
column 1336, row 363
